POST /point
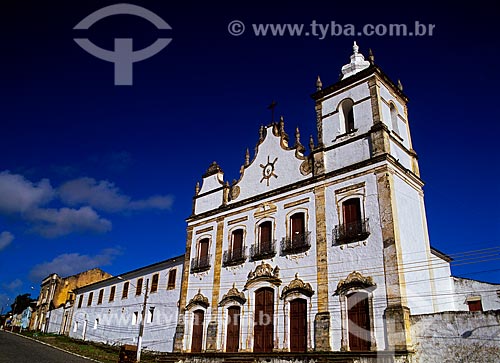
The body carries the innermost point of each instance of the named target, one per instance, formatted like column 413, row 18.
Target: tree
column 21, row 303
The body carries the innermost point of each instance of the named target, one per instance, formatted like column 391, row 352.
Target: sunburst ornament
column 268, row 170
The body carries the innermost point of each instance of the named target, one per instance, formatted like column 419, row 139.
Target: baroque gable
column 275, row 164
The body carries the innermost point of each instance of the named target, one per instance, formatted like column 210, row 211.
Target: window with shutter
column 171, row 279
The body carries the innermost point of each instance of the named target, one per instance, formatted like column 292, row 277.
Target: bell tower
column 362, row 124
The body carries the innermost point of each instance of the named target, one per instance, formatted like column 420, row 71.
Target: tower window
column 347, row 115
column 202, row 260
column 353, row 227
column 394, row 119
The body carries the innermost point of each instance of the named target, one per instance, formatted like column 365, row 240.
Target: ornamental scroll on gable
column 354, row 280
column 297, row 285
column 263, row 272
column 233, row 295
column 198, row 300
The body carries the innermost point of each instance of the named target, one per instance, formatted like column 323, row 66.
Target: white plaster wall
column 55, row 317
column 115, row 318
column 347, row 154
column 286, row 168
column 415, row 249
column 401, row 155
column 443, row 285
column 456, row 337
column 465, row 288
column 364, row 257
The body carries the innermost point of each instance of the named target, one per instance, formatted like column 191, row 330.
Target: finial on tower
column 319, row 84
column 311, row 143
column 197, row 188
column 400, row 85
column 357, row 64
column 247, row 157
column 371, row 57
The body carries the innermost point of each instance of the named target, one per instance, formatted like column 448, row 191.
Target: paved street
column 15, row 349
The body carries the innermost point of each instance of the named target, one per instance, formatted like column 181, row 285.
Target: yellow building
column 56, row 291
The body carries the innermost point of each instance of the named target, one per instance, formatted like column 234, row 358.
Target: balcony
column 261, row 252
column 200, row 264
column 351, row 232
column 234, row 257
column 298, row 243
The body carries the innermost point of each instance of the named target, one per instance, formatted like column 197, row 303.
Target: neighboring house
column 327, row 251
column 55, row 293
column 110, row 311
column 25, row 317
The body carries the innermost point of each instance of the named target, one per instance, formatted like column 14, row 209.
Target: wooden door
column 298, row 229
column 203, row 256
column 298, row 325
column 263, row 320
column 233, row 329
column 359, row 322
column 352, row 217
column 237, row 247
column 265, row 236
column 197, row 336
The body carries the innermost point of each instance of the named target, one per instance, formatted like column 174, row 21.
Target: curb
column 62, row 350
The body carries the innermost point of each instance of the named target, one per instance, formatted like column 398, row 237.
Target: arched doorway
column 233, row 329
column 298, row 325
column 264, row 320
column 197, row 336
column 359, row 322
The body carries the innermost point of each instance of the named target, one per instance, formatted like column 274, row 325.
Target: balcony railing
column 261, row 252
column 297, row 243
column 234, row 257
column 351, row 232
column 200, row 264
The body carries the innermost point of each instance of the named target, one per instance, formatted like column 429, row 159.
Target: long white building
column 110, row 311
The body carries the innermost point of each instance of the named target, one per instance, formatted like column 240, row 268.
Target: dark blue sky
column 97, row 174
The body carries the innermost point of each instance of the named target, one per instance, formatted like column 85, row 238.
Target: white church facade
column 320, row 252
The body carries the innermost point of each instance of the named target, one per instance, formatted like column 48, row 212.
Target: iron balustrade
column 200, row 263
column 297, row 243
column 351, row 232
column 234, row 257
column 263, row 251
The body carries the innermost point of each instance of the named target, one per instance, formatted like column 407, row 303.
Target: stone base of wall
column 331, row 357
column 179, row 337
column 322, row 332
column 212, row 336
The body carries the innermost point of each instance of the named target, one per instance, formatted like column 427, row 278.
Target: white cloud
column 5, row 239
column 19, row 195
column 104, row 195
column 21, row 198
column 13, row 285
column 72, row 263
column 58, row 222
